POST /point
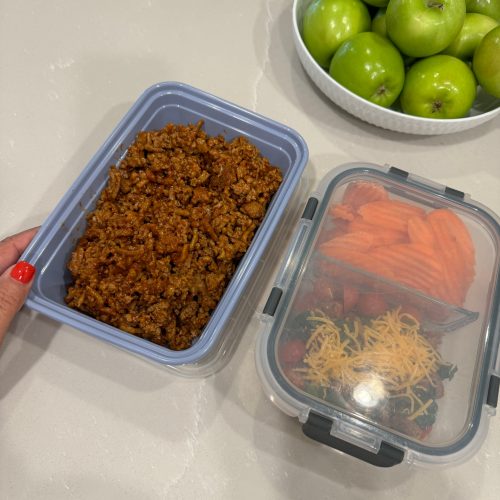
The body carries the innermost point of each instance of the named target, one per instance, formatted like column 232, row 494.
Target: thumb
column 15, row 284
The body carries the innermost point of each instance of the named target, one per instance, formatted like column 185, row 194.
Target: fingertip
column 23, row 272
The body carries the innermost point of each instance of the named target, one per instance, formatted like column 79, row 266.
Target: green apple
column 489, row 8
column 370, row 66
column 473, row 30
column 327, row 23
column 379, row 26
column 420, row 28
column 486, row 62
column 378, row 23
column 439, row 86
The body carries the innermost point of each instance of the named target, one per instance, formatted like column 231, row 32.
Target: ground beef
column 168, row 231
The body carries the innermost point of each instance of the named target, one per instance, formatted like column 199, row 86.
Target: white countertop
column 81, row 419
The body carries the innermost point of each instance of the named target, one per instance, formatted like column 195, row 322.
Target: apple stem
column 435, row 4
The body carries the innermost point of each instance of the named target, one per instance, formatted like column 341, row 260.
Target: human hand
column 15, row 279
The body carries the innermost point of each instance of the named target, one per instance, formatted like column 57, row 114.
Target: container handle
column 318, row 427
column 295, row 248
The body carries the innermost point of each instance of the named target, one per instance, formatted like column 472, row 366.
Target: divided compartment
column 330, row 376
column 433, row 314
column 321, row 292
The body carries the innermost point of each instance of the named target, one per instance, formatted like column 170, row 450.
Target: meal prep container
column 324, row 355
column 169, row 102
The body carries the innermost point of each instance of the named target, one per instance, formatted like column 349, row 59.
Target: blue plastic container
column 161, row 104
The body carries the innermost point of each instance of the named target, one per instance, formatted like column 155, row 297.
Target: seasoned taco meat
column 168, row 231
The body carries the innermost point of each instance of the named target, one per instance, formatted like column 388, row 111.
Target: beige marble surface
column 80, row 419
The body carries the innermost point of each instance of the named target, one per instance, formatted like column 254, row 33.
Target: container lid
column 381, row 333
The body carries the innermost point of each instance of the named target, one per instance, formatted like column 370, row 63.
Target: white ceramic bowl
column 485, row 108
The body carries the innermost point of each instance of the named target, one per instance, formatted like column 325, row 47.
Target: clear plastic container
column 381, row 333
column 171, row 102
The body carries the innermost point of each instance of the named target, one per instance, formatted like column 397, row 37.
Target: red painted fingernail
column 23, row 272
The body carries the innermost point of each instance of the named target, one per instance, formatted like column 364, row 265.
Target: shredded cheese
column 421, row 410
column 390, row 348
